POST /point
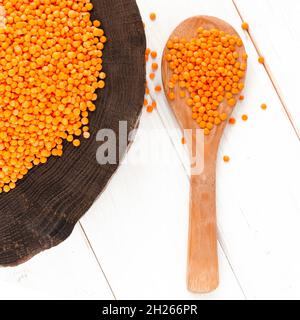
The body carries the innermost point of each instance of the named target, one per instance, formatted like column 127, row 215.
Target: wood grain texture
column 202, row 273
column 44, row 208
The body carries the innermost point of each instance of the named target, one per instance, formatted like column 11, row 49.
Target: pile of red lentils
column 50, row 68
column 211, row 61
column 207, row 70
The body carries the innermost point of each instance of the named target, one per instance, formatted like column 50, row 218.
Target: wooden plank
column 257, row 191
column 275, row 29
column 138, row 228
column 69, row 271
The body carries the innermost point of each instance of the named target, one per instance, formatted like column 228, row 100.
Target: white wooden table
column 132, row 244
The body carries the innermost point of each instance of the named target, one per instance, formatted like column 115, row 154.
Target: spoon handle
column 202, row 272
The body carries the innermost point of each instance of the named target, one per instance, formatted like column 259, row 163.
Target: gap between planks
column 97, row 259
column 270, row 75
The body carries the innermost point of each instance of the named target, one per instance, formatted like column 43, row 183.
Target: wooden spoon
column 202, row 271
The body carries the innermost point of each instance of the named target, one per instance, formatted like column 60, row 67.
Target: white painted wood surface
column 140, row 237
column 69, row 271
column 275, row 28
column 138, row 227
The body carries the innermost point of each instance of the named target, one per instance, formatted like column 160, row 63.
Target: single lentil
column 245, row 26
column 244, row 117
column 261, row 60
column 232, row 121
column 264, row 106
column 149, row 109
column 153, row 16
column 152, row 76
column 158, row 88
column 153, row 54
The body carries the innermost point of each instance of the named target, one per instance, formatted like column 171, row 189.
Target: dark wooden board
column 44, row 208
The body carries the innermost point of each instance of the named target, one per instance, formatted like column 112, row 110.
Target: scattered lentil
column 264, row 106
column 261, row 60
column 245, row 26
column 153, row 16
column 149, row 109
column 244, row 117
column 152, row 76
column 153, row 54
column 154, row 66
column 232, row 121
